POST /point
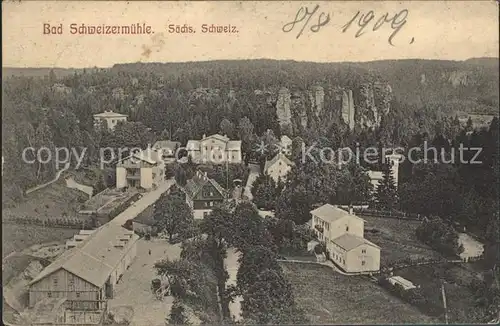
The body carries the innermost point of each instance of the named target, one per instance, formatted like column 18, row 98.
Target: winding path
column 58, row 175
column 71, row 183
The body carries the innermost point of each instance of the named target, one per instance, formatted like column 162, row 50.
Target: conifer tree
column 386, row 196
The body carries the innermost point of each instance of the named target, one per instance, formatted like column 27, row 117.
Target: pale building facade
column 109, row 118
column 278, row 167
column 286, row 145
column 343, row 234
column 144, row 169
column 214, row 149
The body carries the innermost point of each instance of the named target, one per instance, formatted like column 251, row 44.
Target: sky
column 452, row 30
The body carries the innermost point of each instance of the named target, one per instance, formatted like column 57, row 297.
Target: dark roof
column 195, row 184
column 167, row 144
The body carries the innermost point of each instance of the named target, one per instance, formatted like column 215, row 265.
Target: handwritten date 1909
column 304, row 16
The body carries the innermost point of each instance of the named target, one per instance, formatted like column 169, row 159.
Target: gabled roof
column 95, row 259
column 195, row 184
column 286, row 140
column 275, row 159
column 330, row 213
column 217, row 136
column 148, row 155
column 350, row 241
column 110, row 114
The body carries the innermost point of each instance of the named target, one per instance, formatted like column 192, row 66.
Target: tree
column 253, row 261
column 354, row 185
column 307, row 184
column 442, row 237
column 218, row 226
column 249, row 229
column 264, row 192
column 173, row 215
column 227, row 128
column 386, row 195
column 246, row 134
column 267, row 298
column 178, row 314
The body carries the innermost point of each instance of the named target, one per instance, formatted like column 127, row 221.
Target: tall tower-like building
column 393, row 160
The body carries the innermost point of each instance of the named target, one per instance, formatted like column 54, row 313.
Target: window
column 220, row 157
column 77, row 294
column 71, row 281
column 55, row 281
column 362, row 263
column 113, row 121
column 343, row 261
column 205, row 214
column 49, row 294
column 211, row 203
column 280, row 163
column 347, row 228
column 363, row 251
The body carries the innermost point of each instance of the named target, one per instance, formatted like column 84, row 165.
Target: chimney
column 204, row 136
column 205, row 175
column 350, row 210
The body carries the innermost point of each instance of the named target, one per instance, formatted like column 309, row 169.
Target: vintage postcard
column 250, row 162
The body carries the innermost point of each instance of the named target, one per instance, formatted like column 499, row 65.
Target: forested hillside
column 390, row 103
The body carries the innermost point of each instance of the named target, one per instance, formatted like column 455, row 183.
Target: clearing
column 19, row 237
column 54, row 201
column 397, row 239
column 331, row 298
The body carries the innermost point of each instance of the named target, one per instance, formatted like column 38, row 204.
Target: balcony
column 135, row 176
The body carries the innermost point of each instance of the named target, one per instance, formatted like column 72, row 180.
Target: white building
column 286, row 145
column 109, row 118
column 214, row 149
column 144, row 169
column 343, row 235
column 278, row 167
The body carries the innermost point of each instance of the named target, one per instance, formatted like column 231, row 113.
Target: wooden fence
column 388, row 214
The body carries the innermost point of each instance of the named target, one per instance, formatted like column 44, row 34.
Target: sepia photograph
column 250, row 163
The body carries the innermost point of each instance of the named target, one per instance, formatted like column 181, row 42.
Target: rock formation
column 317, row 99
column 374, row 101
column 283, row 107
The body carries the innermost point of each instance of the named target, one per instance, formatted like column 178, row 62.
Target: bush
column 440, row 236
column 319, row 249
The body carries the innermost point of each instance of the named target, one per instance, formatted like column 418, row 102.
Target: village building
column 214, row 149
column 342, row 233
column 168, row 148
column 278, row 167
column 404, row 283
column 286, row 145
column 203, row 194
column 80, row 281
column 143, row 170
column 109, row 118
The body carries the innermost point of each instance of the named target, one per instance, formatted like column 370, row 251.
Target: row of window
column 49, row 294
